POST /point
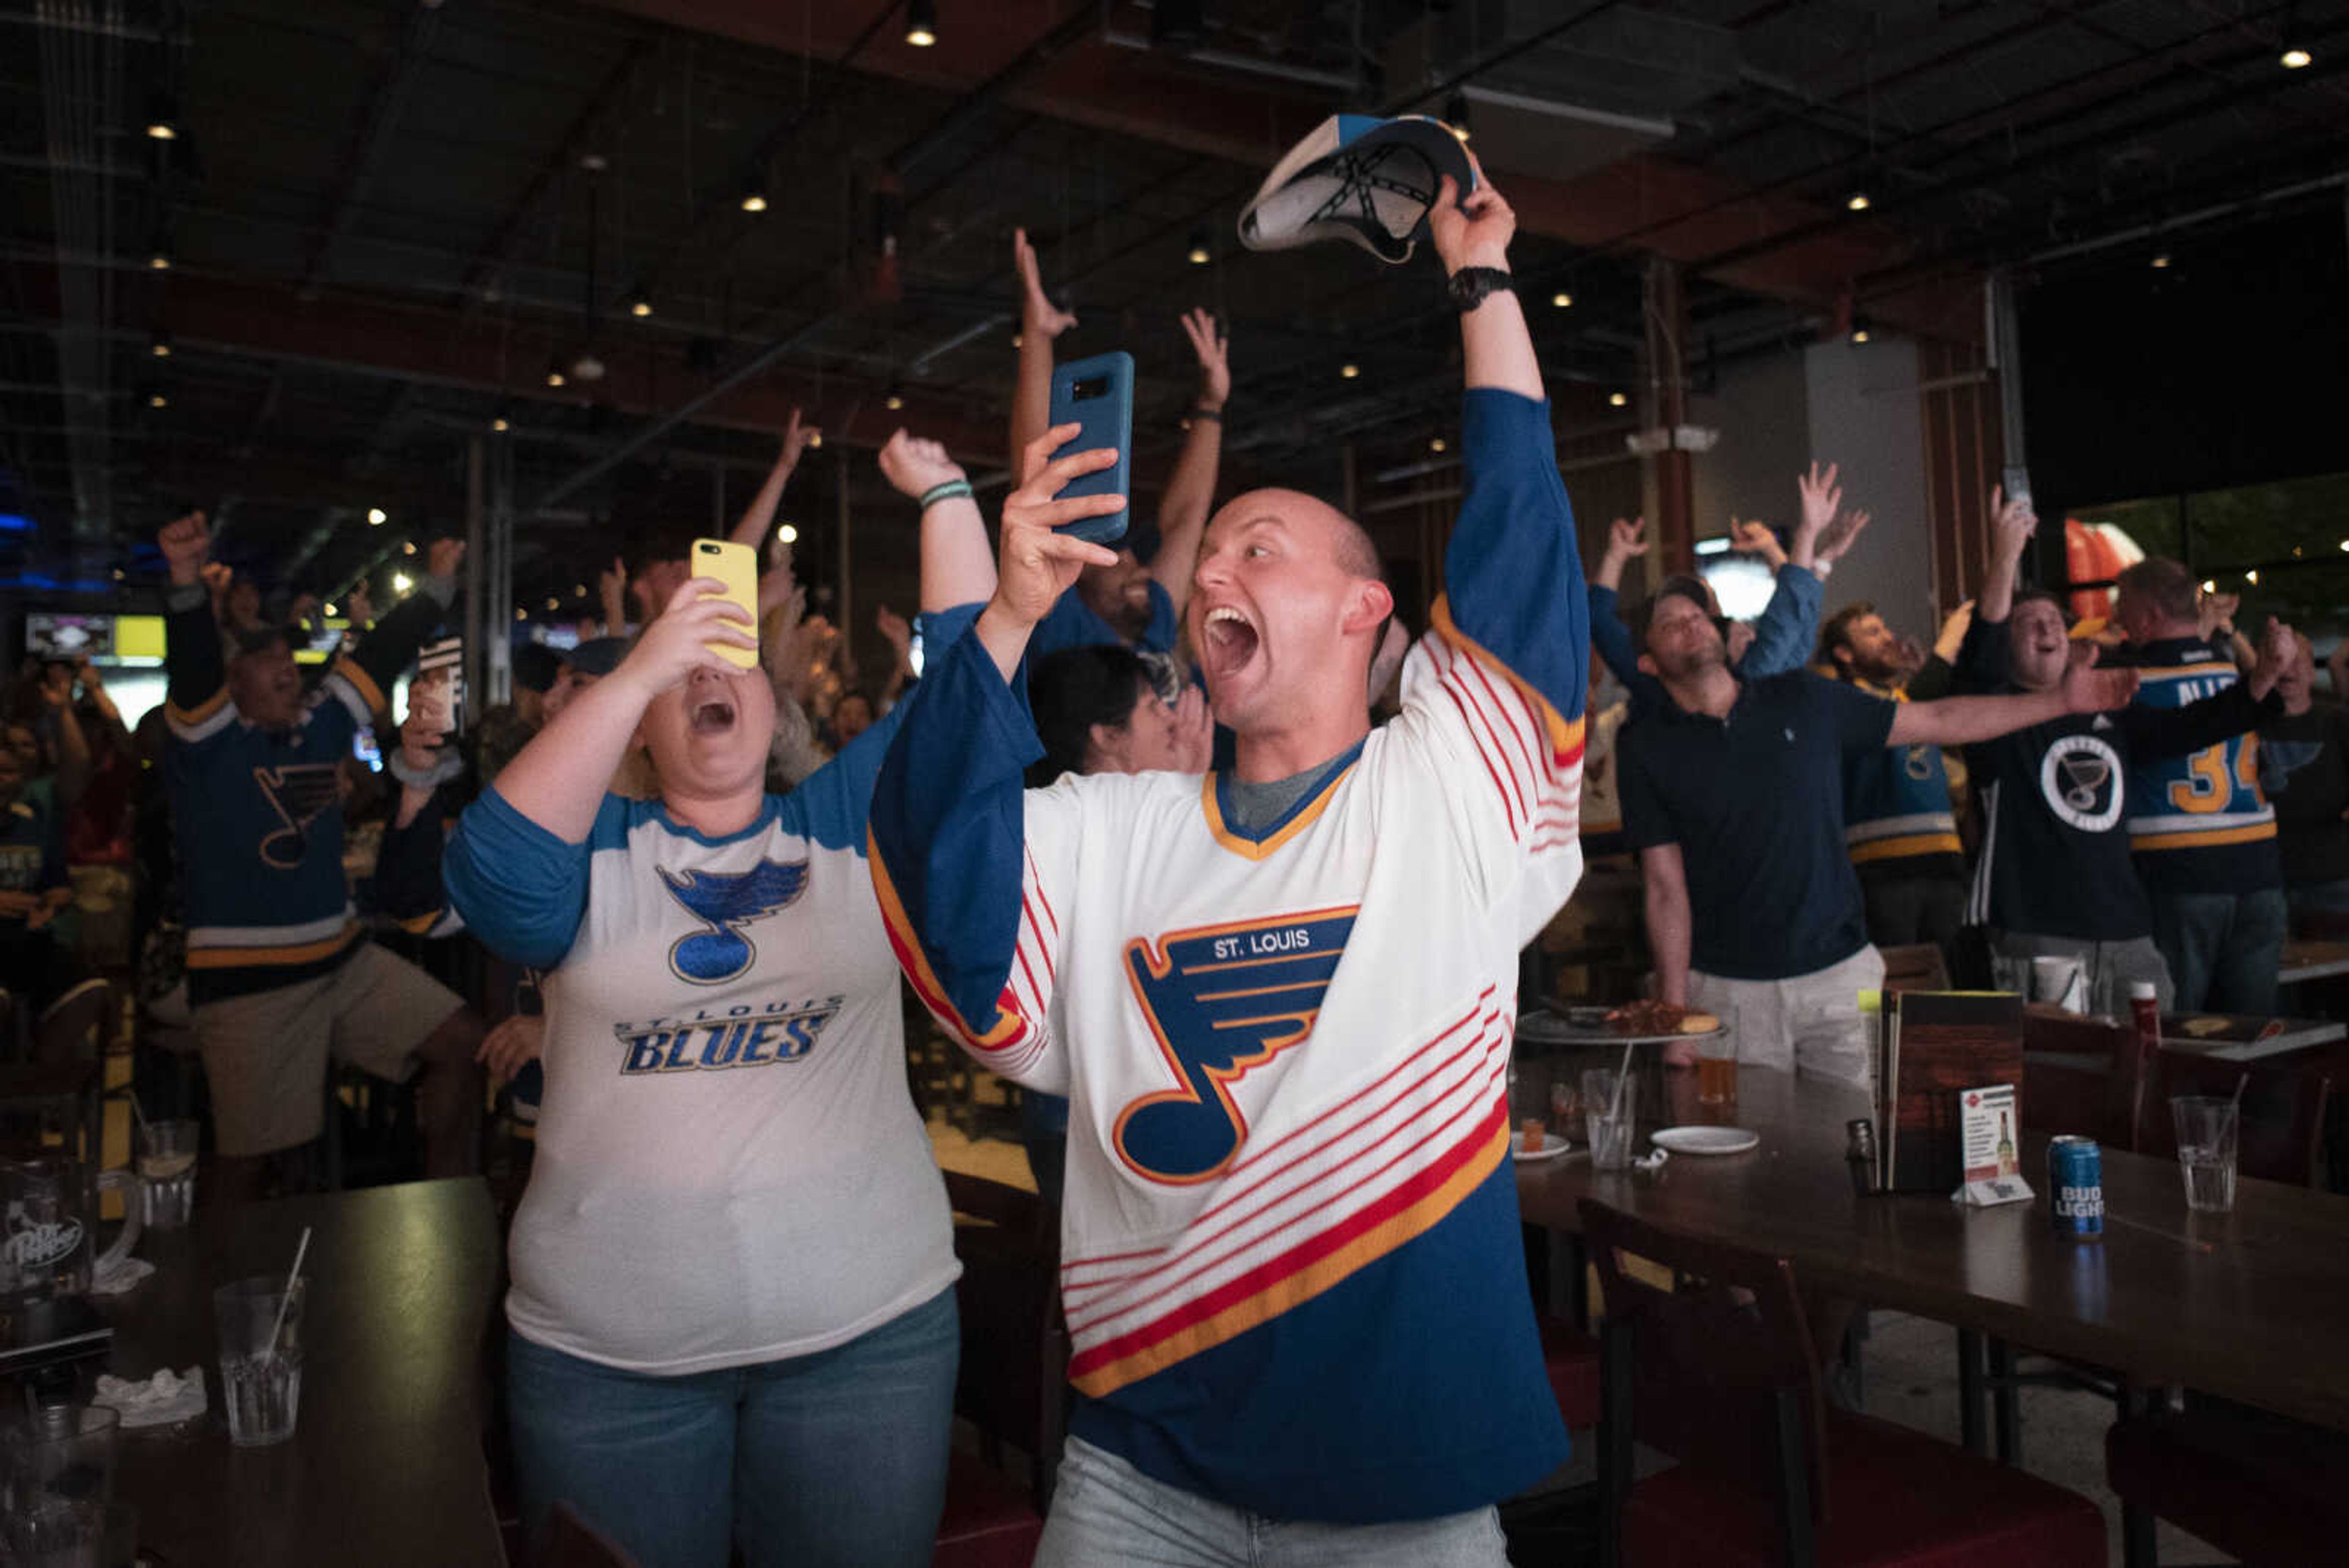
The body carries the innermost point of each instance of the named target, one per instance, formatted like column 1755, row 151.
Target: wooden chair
column 1719, row 1372
column 58, row 1082
column 1012, row 1385
column 2260, row 1488
column 1919, row 968
column 571, row 1542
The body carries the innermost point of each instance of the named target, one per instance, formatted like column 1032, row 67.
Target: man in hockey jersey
column 280, row 973
column 2056, row 876
column 1280, row 998
column 2204, row 832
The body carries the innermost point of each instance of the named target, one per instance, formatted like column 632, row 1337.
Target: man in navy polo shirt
column 1733, row 796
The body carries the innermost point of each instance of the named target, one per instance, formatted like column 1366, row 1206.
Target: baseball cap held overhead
column 1355, row 177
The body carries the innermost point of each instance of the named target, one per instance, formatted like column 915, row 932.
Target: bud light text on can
column 2076, row 1186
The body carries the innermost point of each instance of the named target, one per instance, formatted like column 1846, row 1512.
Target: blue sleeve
column 521, row 890
column 1611, row 637
column 1984, row 656
column 833, row 804
column 1512, row 571
column 1068, row 624
column 1163, row 630
column 948, row 839
column 1788, row 629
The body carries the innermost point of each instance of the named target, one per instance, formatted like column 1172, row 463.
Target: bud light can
column 2076, row 1186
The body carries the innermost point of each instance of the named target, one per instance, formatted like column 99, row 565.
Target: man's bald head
column 1350, row 544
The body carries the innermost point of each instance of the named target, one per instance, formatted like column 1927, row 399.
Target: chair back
column 77, row 1026
column 2085, row 1074
column 1921, row 966
column 2279, row 1132
column 10, row 1047
column 1012, row 1384
column 1717, row 1371
column 571, row 1542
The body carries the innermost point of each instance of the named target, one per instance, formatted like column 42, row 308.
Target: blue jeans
column 2223, row 949
column 837, row 1457
column 1106, row 1512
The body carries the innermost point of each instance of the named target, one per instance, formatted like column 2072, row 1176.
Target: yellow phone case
column 737, row 566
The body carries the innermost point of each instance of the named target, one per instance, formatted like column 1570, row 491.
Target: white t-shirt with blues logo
column 729, row 1169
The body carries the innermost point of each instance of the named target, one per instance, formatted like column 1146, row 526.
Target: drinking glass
column 57, row 1474
column 1608, row 1101
column 1716, row 1070
column 166, row 1172
column 2206, row 1151
column 260, row 1366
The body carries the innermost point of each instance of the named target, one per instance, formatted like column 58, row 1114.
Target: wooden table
column 386, row 1464
column 2248, row 1039
column 2307, row 960
column 2252, row 1305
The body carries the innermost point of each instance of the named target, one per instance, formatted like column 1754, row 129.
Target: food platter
column 1593, row 1026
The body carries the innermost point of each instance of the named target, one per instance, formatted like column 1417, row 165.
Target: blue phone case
column 1098, row 393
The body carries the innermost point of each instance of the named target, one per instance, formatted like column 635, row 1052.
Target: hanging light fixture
column 639, row 302
column 921, row 23
column 1616, row 399
column 1562, row 300
column 555, row 376
column 158, row 343
column 754, row 198
column 1857, row 202
column 895, row 401
column 1349, row 370
column 376, row 517
column 1200, row 255
column 163, row 118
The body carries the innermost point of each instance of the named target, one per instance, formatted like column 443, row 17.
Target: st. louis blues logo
column 725, row 900
column 297, row 793
column 1221, row 1000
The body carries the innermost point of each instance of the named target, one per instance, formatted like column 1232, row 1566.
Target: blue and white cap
column 1356, row 177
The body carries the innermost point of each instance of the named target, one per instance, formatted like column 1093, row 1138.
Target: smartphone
column 437, row 692
column 1098, row 393
column 2017, row 485
column 737, row 566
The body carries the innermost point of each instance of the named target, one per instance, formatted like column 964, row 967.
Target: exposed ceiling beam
column 372, row 142
column 348, row 331
column 1253, row 121
column 594, row 121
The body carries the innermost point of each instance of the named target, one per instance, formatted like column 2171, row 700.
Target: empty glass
column 166, row 1172
column 1608, row 1101
column 260, row 1358
column 2206, row 1151
column 56, row 1476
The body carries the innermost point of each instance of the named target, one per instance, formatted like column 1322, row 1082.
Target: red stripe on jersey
column 1471, row 1110
column 1269, row 1275
column 1194, row 1243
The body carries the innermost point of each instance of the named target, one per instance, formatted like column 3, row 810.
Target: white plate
column 1552, row 1146
column 1705, row 1140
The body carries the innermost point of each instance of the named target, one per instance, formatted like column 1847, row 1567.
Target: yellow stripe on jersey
column 1295, row 1290
column 1901, row 847
column 1565, row 734
column 200, row 713
column 361, row 683
column 925, row 981
column 1248, row 847
column 2205, row 839
column 253, row 958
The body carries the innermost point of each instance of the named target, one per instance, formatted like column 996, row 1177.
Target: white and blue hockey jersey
column 260, row 826
column 729, row 1169
column 1292, row 1269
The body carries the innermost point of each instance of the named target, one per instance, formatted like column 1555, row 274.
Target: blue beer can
column 2076, row 1186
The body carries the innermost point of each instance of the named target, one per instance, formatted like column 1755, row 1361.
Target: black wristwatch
column 1472, row 286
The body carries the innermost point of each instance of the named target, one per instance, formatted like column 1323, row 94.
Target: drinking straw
column 287, row 1300
column 136, row 1113
column 1623, row 1076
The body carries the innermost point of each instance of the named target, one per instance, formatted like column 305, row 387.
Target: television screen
column 49, row 634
